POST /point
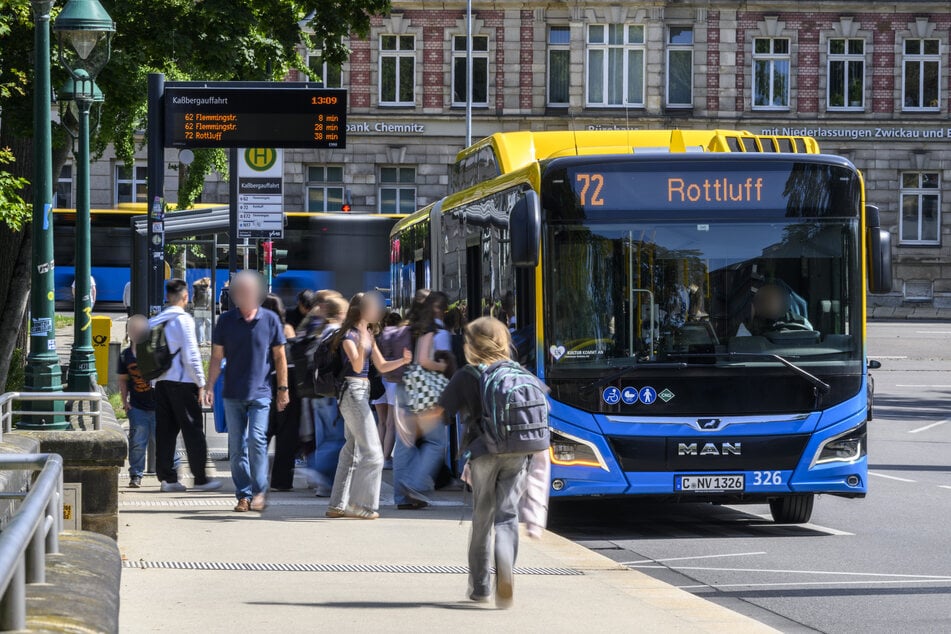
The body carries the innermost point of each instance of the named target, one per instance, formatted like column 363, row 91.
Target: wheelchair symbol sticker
column 647, row 395
column 611, row 395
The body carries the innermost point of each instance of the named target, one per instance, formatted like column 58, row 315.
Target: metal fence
column 30, row 535
column 89, row 405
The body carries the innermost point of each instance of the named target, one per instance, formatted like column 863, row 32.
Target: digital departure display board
column 288, row 115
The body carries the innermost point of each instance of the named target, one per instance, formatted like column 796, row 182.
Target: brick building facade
column 869, row 80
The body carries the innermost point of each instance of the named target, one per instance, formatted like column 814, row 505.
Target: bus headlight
column 569, row 451
column 847, row 447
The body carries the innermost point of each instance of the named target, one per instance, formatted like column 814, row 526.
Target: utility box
column 101, row 336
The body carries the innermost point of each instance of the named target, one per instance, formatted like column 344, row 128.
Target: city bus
column 347, row 252
column 694, row 300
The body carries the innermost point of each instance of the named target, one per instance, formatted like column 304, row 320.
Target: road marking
column 931, row 426
column 933, row 332
column 819, row 572
column 808, row 526
column 890, row 358
column 657, row 561
column 864, row 582
column 944, row 486
column 888, row 477
column 933, row 387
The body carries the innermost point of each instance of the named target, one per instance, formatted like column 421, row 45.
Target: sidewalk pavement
column 193, row 565
column 912, row 312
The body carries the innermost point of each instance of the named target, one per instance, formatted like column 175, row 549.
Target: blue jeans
column 328, row 437
column 141, row 430
column 416, row 466
column 247, row 444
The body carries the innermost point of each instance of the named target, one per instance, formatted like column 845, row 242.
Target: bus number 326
column 767, row 478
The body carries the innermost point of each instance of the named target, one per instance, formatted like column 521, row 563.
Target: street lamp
column 80, row 28
column 43, row 373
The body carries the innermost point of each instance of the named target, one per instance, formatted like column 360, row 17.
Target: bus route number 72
column 594, row 183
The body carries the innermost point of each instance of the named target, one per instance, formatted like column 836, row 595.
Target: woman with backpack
column 497, row 460
column 356, row 489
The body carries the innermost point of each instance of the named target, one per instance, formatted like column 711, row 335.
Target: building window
column 680, row 66
column 324, row 188
column 920, row 208
column 64, row 188
column 846, row 89
column 480, row 70
column 330, row 74
column 922, row 70
column 559, row 65
column 771, row 73
column 397, row 70
column 131, row 184
column 397, row 190
column 615, row 65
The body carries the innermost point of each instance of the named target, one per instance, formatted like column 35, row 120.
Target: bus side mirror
column 879, row 246
column 525, row 230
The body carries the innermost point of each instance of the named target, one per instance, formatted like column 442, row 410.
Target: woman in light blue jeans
column 356, row 491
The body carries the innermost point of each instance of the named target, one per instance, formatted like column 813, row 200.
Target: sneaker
column 322, row 491
column 243, row 506
column 333, row 512
column 135, row 482
column 415, row 497
column 480, row 598
column 259, row 503
column 208, row 485
column 173, row 487
column 360, row 513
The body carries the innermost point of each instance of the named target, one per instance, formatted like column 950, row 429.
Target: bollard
column 101, row 335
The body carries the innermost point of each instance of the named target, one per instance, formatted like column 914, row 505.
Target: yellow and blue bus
column 347, row 252
column 695, row 300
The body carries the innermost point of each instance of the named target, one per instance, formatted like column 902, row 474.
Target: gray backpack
column 514, row 409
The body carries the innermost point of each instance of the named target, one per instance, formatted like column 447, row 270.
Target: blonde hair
column 487, row 341
column 335, row 308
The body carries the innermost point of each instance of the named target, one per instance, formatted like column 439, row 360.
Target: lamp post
column 80, row 28
column 43, row 373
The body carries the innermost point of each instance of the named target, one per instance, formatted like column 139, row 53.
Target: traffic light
column 276, row 256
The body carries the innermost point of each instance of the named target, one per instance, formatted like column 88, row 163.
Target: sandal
column 360, row 513
column 333, row 512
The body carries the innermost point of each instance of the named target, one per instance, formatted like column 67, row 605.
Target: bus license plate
column 711, row 483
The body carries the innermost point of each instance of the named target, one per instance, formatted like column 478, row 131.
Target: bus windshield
column 716, row 270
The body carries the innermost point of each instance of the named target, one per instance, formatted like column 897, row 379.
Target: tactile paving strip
column 301, row 567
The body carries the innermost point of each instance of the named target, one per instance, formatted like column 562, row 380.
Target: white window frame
column 315, row 59
column 628, row 47
column 919, row 192
column 324, row 184
column 401, row 55
column 65, row 181
column 139, row 178
column 477, row 55
column 920, row 59
column 846, row 59
column 772, row 57
column 563, row 48
column 402, row 188
column 675, row 48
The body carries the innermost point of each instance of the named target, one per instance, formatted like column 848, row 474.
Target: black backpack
column 301, row 356
column 328, row 367
column 514, row 409
column 152, row 353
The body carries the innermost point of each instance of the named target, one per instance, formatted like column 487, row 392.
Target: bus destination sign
column 229, row 116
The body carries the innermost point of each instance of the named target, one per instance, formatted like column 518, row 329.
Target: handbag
column 423, row 387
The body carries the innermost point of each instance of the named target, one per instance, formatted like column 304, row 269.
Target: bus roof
column 515, row 150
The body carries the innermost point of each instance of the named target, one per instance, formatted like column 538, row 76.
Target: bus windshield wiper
column 611, row 378
column 820, row 387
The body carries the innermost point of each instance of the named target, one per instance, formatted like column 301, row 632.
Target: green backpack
column 152, row 353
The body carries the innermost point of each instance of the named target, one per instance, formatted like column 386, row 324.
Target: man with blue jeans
column 251, row 339
column 138, row 400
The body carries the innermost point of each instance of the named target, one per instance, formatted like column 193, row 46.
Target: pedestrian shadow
column 375, row 605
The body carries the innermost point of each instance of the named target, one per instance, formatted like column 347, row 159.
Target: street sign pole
column 156, row 187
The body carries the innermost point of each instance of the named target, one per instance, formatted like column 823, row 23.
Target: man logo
column 709, row 423
column 710, row 449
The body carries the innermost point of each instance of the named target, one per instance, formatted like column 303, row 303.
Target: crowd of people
column 403, row 383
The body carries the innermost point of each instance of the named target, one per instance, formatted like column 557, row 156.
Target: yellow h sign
column 101, row 335
column 260, row 159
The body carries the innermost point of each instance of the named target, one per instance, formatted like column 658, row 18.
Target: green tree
column 237, row 40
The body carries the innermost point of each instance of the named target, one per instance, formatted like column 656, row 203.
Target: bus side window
column 474, row 280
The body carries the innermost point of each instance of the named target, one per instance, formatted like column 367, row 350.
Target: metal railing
column 31, row 534
column 94, row 399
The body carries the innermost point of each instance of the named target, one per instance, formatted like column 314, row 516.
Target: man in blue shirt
column 251, row 339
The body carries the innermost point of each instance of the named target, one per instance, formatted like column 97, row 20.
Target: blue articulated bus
column 695, row 300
